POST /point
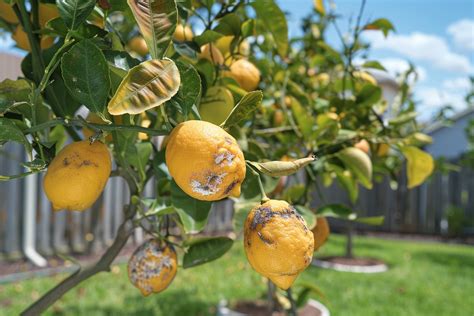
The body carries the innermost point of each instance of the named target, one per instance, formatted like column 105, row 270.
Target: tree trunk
column 349, row 242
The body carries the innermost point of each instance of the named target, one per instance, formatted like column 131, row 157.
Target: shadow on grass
column 462, row 261
column 173, row 302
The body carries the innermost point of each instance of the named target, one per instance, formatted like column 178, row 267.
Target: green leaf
column 403, row 118
column 146, row 86
column 374, row 65
column 274, row 20
column 190, row 88
column 75, row 12
column 10, row 132
column 373, row 220
column 207, row 36
column 229, row 25
column 157, row 22
column 336, row 210
column 203, row 250
column 12, row 91
column 383, row 25
column 368, row 95
column 294, row 193
column 307, row 214
column 248, row 104
column 86, row 75
column 420, row 165
column 193, row 213
column 138, row 155
column 359, row 163
column 248, row 28
column 305, row 122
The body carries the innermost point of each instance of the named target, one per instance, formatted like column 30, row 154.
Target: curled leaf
column 146, row 86
column 281, row 168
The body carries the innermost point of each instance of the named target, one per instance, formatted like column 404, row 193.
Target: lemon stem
column 292, row 311
column 260, row 184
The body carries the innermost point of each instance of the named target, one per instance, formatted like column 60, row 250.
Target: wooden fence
column 420, row 210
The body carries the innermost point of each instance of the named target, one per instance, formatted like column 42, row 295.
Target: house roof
column 436, row 126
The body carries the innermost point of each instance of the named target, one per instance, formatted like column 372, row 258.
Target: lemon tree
column 210, row 100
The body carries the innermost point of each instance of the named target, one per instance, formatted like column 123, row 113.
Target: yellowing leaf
column 319, row 5
column 281, row 168
column 419, row 165
column 146, row 86
column 157, row 20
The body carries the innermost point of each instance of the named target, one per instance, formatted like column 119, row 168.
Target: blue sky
column 435, row 35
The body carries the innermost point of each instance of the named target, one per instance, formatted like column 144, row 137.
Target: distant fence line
column 420, row 210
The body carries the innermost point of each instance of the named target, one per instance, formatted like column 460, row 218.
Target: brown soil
column 260, row 308
column 353, row 261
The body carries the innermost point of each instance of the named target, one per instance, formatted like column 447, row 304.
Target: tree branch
column 103, row 264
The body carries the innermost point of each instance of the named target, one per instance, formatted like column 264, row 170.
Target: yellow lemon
column 224, row 43
column 21, row 39
column 320, row 232
column 47, row 12
column 205, row 161
column 152, row 267
column 364, row 76
column 138, row 45
column 77, row 175
column 7, row 13
column 277, row 242
column 211, row 53
column 144, row 123
column 363, row 145
column 245, row 73
column 278, row 118
column 383, row 150
column 183, row 33
column 216, row 105
column 323, row 79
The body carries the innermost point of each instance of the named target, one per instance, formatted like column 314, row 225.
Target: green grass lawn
column 424, row 279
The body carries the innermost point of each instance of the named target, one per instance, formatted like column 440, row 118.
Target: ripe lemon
column 363, row 145
column 278, row 118
column 211, row 53
column 152, row 267
column 383, row 150
column 216, row 105
column 323, row 79
column 224, row 43
column 320, row 232
column 138, row 45
column 77, row 175
column 47, row 12
column 205, row 161
column 21, row 39
column 245, row 73
column 183, row 33
column 277, row 242
column 7, row 13
column 364, row 76
column 144, row 123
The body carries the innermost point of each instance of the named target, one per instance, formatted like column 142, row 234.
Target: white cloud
column 460, row 84
column 462, row 32
column 431, row 99
column 420, row 46
column 397, row 66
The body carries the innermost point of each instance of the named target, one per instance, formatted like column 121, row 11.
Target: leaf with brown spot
column 146, row 86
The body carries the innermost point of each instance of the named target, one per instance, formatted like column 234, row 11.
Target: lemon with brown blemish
column 152, row 267
column 277, row 242
column 320, row 232
column 205, row 161
column 77, row 175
